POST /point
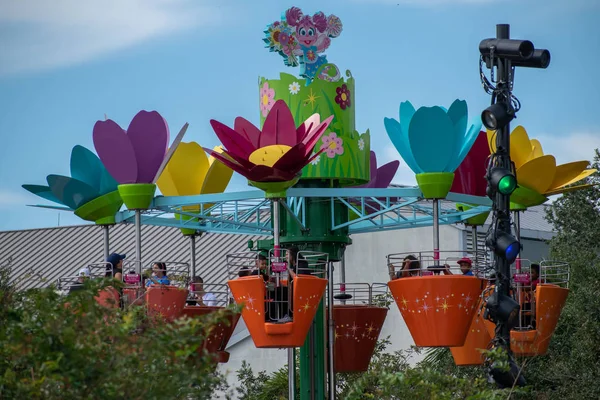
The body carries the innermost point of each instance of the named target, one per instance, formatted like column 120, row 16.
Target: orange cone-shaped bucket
column 108, row 297
column 216, row 342
column 167, row 301
column 478, row 339
column 357, row 329
column 133, row 295
column 250, row 291
column 438, row 310
column 549, row 302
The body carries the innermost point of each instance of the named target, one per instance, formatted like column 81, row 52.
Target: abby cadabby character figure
column 311, row 37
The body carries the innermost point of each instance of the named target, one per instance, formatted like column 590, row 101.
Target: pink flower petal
column 314, row 135
column 279, row 127
column 311, row 122
column 262, row 173
column 229, row 163
column 292, row 160
column 248, row 130
column 234, row 142
column 115, row 151
column 149, row 136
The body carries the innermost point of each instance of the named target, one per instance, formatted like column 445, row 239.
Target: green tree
column 70, row 347
column 390, row 376
column 571, row 368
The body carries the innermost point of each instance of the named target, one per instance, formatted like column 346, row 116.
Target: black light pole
column 502, row 201
column 502, row 55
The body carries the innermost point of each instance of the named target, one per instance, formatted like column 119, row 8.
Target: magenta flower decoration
column 469, row 177
column 381, row 177
column 134, row 155
column 277, row 153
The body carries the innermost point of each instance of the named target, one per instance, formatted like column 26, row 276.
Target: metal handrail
column 246, row 261
column 219, row 290
column 360, row 293
column 427, row 263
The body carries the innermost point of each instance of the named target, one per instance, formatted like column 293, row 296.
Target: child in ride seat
column 465, row 265
column 410, row 267
column 159, row 275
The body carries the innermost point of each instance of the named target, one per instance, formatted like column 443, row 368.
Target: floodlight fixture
column 497, row 116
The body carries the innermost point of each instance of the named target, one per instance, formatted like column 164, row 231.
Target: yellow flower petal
column 165, row 184
column 566, row 172
column 567, row 189
column 188, row 168
column 218, row 175
column 579, row 177
column 520, row 146
column 491, row 138
column 536, row 149
column 537, row 174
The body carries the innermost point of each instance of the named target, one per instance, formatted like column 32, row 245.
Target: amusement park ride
column 318, row 183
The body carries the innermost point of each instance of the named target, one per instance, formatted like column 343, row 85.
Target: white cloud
column 576, row 146
column 9, row 198
column 44, row 34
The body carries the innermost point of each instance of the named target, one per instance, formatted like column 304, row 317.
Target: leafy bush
column 390, row 376
column 57, row 347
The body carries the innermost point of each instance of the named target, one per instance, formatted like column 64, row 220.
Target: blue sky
column 66, row 63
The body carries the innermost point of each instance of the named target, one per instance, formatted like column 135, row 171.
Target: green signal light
column 503, row 181
column 507, row 184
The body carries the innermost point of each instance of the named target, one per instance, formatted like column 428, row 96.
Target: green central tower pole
column 318, row 237
column 344, row 162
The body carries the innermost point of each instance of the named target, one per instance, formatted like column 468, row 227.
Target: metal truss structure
column 249, row 212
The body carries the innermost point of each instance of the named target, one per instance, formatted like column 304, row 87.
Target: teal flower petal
column 87, row 167
column 42, row 191
column 432, row 139
column 458, row 113
column 107, row 182
column 406, row 112
column 71, row 192
column 401, row 144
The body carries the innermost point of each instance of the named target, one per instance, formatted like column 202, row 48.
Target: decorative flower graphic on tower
column 433, row 142
column 538, row 176
column 91, row 192
column 134, row 156
column 271, row 159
